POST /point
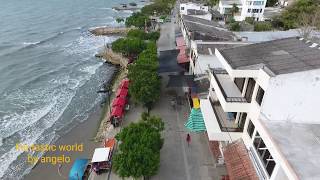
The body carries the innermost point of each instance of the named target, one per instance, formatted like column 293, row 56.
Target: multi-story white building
column 247, row 8
column 195, row 9
column 261, row 109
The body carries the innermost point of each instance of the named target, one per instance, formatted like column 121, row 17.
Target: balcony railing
column 231, row 99
column 223, row 122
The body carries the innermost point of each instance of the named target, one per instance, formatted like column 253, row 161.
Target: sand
column 82, row 133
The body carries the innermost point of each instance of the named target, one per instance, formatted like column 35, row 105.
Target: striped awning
column 195, row 122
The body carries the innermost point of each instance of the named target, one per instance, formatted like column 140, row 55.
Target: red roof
column 180, row 41
column 122, row 92
column 238, row 162
column 117, row 111
column 119, row 101
column 124, row 84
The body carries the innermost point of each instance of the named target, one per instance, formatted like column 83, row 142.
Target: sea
column 48, row 73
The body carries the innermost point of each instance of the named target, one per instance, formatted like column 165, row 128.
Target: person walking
column 188, row 139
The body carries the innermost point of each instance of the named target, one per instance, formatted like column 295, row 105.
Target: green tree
column 212, row 3
column 128, row 46
column 289, row 18
column 139, row 150
column 145, row 83
column 271, row 3
column 234, row 10
column 119, row 20
column 138, row 20
column 235, row 26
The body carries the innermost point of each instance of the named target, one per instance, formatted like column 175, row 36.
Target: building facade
column 247, row 8
column 259, row 96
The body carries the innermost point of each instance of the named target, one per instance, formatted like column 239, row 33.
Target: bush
column 140, row 34
column 262, row 26
column 230, row 20
column 235, row 26
column 249, row 20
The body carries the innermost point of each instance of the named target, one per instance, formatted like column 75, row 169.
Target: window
column 249, row 10
column 240, row 83
column 260, row 95
column 250, row 128
column 249, row 90
column 255, row 10
column 243, row 117
column 182, row 8
column 260, row 10
column 264, row 154
column 258, row 2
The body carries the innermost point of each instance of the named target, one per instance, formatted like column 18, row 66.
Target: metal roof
column 281, row 56
column 206, row 30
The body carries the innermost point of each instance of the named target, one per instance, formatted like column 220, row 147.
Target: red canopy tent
column 117, row 111
column 122, row 92
column 124, row 84
column 119, row 101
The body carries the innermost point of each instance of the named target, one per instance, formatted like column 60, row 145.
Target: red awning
column 119, row 101
column 124, row 84
column 180, row 41
column 117, row 111
column 238, row 162
column 122, row 92
column 182, row 57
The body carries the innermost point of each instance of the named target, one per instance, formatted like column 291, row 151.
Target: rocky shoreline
column 105, row 31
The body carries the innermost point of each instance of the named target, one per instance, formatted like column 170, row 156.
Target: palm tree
column 234, row 9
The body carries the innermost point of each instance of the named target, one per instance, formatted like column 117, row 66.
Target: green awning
column 195, row 122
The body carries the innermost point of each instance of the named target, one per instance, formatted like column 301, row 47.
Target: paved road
column 178, row 160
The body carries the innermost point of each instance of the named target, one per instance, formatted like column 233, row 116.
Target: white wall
column 296, row 95
column 185, row 6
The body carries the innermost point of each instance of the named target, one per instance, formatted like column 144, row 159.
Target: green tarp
column 195, row 122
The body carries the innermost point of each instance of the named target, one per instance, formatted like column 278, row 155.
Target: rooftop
column 209, row 49
column 300, row 144
column 281, row 56
column 207, row 30
column 196, row 12
column 231, row 2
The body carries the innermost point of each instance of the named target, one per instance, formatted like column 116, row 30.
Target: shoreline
column 82, row 133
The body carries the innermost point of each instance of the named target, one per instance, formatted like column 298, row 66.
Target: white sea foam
column 31, row 43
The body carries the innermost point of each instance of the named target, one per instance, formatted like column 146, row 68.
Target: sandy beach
column 82, row 133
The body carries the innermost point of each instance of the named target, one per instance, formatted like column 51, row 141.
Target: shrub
column 262, row 26
column 235, row 26
column 249, row 20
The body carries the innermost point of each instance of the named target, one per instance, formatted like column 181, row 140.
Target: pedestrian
column 188, row 139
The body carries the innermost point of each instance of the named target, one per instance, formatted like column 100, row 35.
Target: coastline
column 82, row 133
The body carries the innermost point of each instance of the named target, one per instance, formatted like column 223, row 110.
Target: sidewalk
column 178, row 161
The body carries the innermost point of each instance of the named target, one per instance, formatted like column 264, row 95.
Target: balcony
column 227, row 92
column 219, row 127
column 226, row 120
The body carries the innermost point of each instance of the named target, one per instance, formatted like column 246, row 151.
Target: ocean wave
column 31, row 43
column 30, row 134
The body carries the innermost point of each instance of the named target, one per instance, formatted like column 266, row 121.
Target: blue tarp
column 78, row 169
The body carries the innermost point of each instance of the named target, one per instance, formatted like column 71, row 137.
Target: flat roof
column 300, row 144
column 282, row 56
column 206, row 30
column 196, row 12
column 209, row 49
column 231, row 2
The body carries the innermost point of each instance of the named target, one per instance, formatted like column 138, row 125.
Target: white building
column 247, row 8
column 261, row 109
column 196, row 10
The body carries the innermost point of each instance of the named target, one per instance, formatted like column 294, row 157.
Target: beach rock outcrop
column 103, row 31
